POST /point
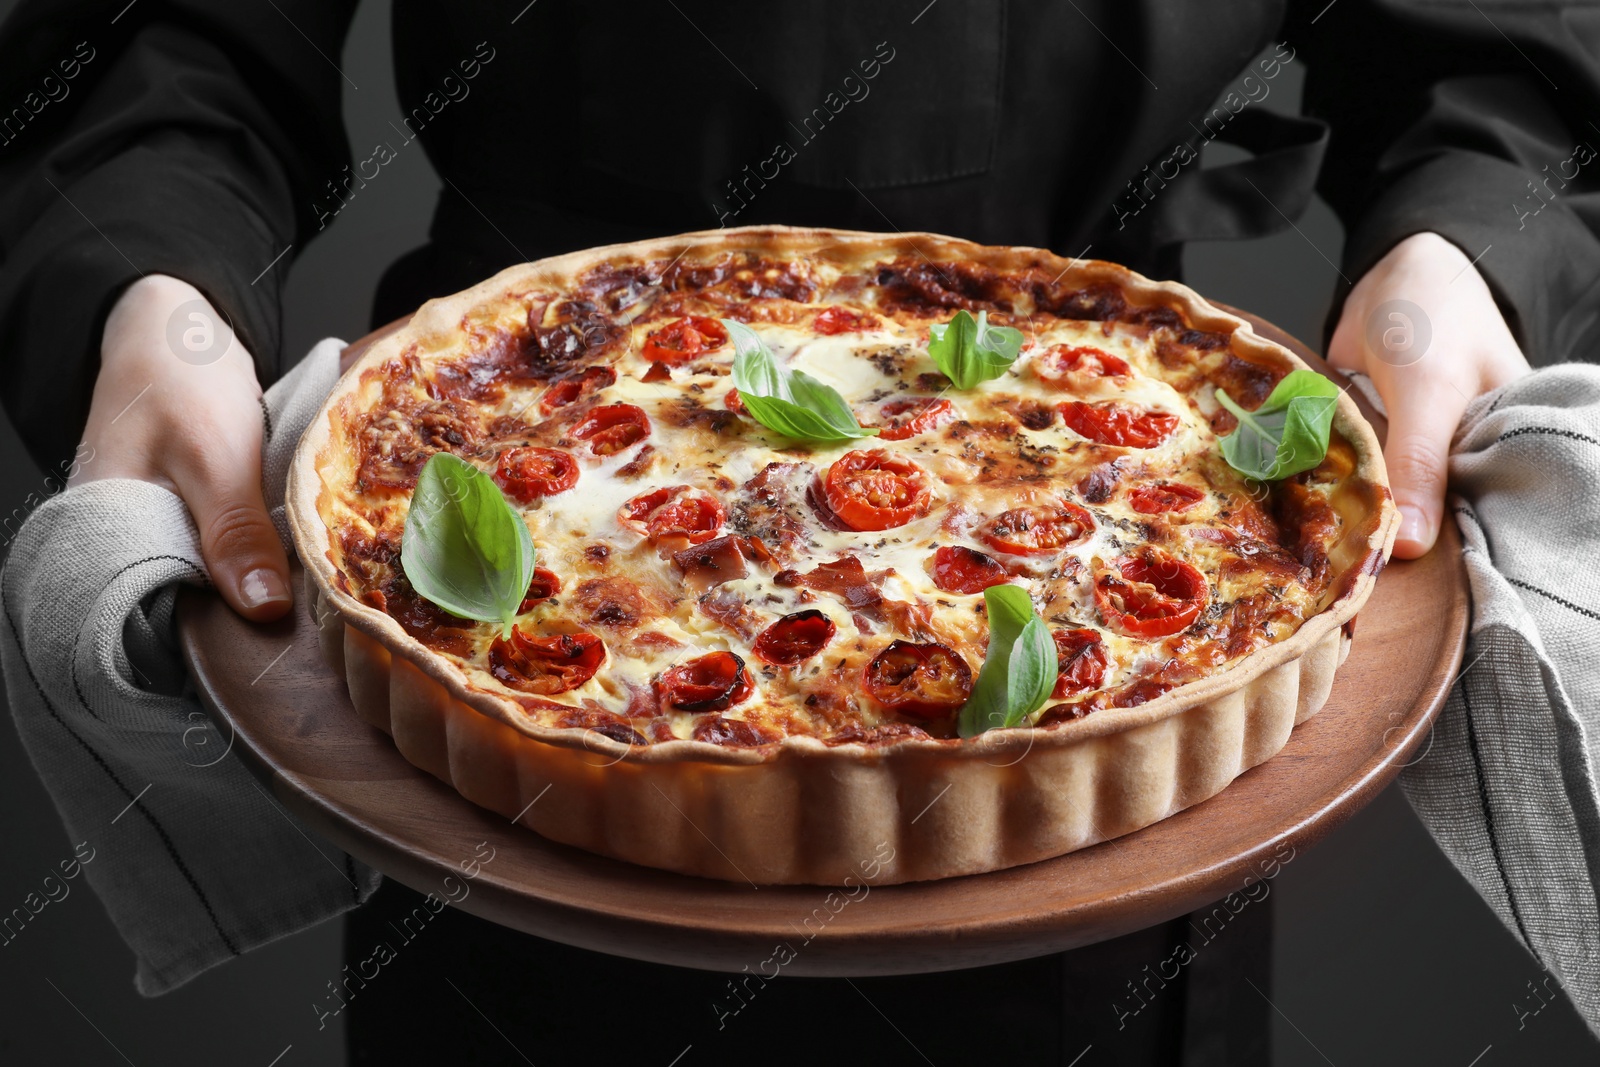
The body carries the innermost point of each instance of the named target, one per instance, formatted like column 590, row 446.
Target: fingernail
column 1413, row 525
column 262, row 586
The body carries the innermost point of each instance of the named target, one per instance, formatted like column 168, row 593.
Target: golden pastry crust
column 810, row 795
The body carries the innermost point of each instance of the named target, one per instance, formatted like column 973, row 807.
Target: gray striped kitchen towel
column 1507, row 785
column 194, row 861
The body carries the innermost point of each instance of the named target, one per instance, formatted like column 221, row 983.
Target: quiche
column 743, row 654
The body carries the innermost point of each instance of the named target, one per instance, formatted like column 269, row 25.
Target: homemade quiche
column 745, row 653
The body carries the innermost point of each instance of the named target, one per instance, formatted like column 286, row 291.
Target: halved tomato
column 1036, row 530
column 694, row 517
column 914, row 415
column 1115, row 423
column 1151, row 594
column 1060, row 364
column 1153, row 498
column 544, row 585
column 612, row 428
column 545, row 665
column 713, row 682
column 526, row 474
column 794, row 638
column 679, row 512
column 963, row 570
column 837, row 320
column 1080, row 662
column 684, row 340
column 876, row 490
column 637, row 510
column 928, row 681
column 575, row 386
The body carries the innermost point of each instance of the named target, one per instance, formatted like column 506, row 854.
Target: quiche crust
column 803, row 810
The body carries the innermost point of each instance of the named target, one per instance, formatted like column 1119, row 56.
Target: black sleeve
column 1474, row 121
column 180, row 137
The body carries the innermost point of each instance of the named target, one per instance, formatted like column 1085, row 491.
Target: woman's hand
column 177, row 403
column 1424, row 327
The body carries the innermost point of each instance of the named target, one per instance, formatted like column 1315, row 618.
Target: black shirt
column 201, row 140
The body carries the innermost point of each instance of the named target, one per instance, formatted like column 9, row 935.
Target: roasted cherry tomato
column 1080, row 662
column 1036, row 530
column 876, row 490
column 684, row 340
column 574, row 386
column 545, row 585
column 545, row 665
column 794, row 638
column 636, row 511
column 1154, row 498
column 733, row 403
column 1150, row 595
column 677, row 512
column 914, row 415
column 526, row 474
column 959, row 569
column 612, row 428
column 1061, row 364
column 842, row 320
column 713, row 682
column 1115, row 423
column 1072, row 710
column 696, row 518
column 927, row 681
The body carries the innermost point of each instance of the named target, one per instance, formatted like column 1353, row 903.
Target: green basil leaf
column 466, row 549
column 970, row 351
column 1288, row 433
column 791, row 403
column 1019, row 670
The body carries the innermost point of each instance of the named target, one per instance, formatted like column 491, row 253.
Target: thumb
column 1423, row 416
column 239, row 542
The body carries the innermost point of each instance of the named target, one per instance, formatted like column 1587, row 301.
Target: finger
column 1504, row 366
column 1424, row 410
column 1345, row 349
column 238, row 540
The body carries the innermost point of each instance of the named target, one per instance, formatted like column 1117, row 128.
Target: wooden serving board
column 292, row 721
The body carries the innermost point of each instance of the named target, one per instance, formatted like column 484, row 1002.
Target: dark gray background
column 1383, row 954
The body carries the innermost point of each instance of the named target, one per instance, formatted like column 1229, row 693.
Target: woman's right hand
column 177, row 403
column 1428, row 370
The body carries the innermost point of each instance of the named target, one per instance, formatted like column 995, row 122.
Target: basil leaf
column 1020, row 668
column 970, row 351
column 791, row 403
column 466, row 549
column 1288, row 433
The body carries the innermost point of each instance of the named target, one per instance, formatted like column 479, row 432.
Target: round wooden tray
column 291, row 719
